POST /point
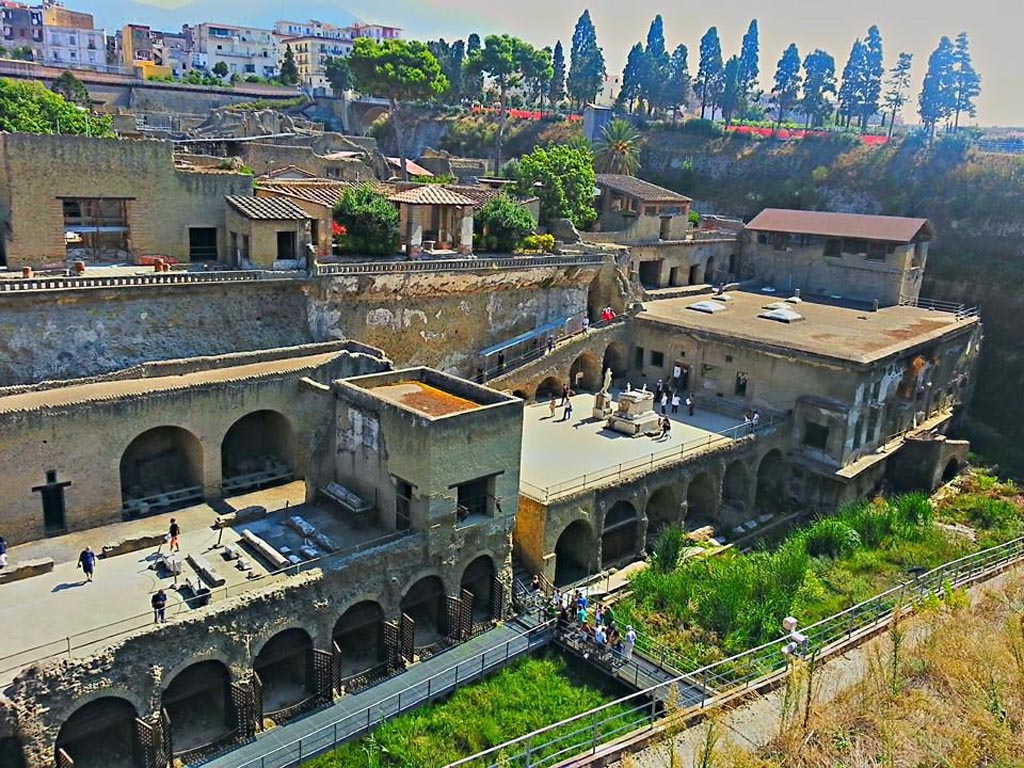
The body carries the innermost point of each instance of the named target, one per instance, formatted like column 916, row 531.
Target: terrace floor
column 118, row 599
column 558, row 454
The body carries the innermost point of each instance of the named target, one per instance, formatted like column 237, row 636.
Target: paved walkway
column 556, row 451
column 352, row 716
column 82, row 616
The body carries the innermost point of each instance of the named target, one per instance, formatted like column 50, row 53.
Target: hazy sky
column 994, row 27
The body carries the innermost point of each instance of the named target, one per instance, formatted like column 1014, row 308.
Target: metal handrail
column 365, row 720
column 756, row 666
column 64, row 647
column 33, row 284
column 645, row 463
column 458, row 265
column 962, row 311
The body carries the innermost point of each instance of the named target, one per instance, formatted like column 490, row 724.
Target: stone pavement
column 60, row 610
column 556, row 451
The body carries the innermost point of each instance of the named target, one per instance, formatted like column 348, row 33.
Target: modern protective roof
column 266, row 208
column 430, row 194
column 894, row 229
column 317, row 191
column 640, row 189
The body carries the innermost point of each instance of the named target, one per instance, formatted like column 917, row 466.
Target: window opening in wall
column 657, row 359
column 855, row 246
column 871, row 437
column 202, row 243
column 728, row 358
column 95, row 227
column 858, row 431
column 915, row 254
column 815, row 435
column 741, row 384
column 403, row 505
column 876, row 391
column 638, row 357
column 780, row 241
column 475, row 498
column 876, row 252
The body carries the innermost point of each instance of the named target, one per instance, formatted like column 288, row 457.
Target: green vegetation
column 527, row 695
column 618, row 149
column 713, row 607
column 289, row 70
column 279, row 104
column 27, row 106
column 370, row 222
column 72, row 89
column 566, row 174
column 503, row 224
column 537, row 244
column 21, row 53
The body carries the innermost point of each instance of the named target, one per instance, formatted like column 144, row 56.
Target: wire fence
column 743, row 672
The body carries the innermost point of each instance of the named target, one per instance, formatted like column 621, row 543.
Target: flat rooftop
column 423, row 398
column 558, row 454
column 826, row 330
column 106, row 390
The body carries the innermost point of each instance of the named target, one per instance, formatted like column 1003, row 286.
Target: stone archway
column 522, row 394
column 550, row 387
column 734, row 486
column 161, row 465
column 701, row 501
column 371, row 116
column 478, row 578
column 198, row 705
column 257, row 451
column 585, row 373
column 620, row 534
column 616, row 358
column 771, row 483
column 663, row 509
column 574, row 552
column 951, row 470
column 359, row 635
column 99, row 734
column 709, row 270
column 424, row 602
column 284, row 666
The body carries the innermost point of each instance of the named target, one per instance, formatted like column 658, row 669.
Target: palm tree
column 618, row 149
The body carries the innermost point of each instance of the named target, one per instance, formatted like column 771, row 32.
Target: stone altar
column 635, row 415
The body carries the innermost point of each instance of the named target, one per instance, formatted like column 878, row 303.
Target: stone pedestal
column 604, row 406
column 635, row 414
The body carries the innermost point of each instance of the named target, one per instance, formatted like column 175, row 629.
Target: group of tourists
column 751, row 420
column 666, row 397
column 601, row 634
column 607, row 314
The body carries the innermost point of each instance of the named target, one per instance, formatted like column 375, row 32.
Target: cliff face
column 973, row 200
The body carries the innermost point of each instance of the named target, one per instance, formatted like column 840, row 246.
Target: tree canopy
column 966, row 82
column 937, row 100
column 896, row 89
column 505, row 220
column 289, row 72
column 567, row 178
column 399, row 71
column 617, row 150
column 787, row 81
column 338, row 74
column 748, row 68
column 27, row 106
column 452, row 58
column 586, row 63
column 710, row 72
column 819, row 82
column 72, row 89
column 851, row 92
column 370, row 222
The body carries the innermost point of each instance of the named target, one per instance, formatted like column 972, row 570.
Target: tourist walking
column 755, row 420
column 675, row 402
column 501, row 362
column 567, row 413
column 586, row 324
column 689, row 404
column 174, row 536
column 565, row 394
column 551, row 406
column 627, row 647
column 3, row 552
column 659, row 388
column 664, row 403
column 159, row 603
column 87, row 562
column 551, row 344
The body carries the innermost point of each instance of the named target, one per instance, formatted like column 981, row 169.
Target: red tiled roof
column 266, row 208
column 640, row 189
column 430, row 194
column 893, row 229
column 414, row 168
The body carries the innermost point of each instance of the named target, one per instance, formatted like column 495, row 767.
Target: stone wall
column 162, row 203
column 266, row 157
column 671, row 264
column 84, row 441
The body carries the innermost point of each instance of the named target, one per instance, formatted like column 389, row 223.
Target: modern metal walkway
column 353, row 716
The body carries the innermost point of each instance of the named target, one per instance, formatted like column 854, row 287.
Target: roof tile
column 896, row 229
column 266, row 208
column 430, row 194
column 638, row 188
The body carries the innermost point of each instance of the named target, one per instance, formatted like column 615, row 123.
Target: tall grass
column 523, row 697
column 714, row 607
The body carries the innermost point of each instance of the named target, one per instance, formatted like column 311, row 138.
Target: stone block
column 132, row 544
column 26, row 569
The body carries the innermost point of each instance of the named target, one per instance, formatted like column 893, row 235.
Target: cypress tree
column 557, row 91
column 709, row 71
column 819, row 81
column 787, row 82
column 632, row 77
column 749, row 66
column 966, row 82
column 937, row 100
column 677, row 91
column 895, row 94
column 851, row 92
column 656, row 63
column 874, row 70
column 731, row 94
column 586, row 63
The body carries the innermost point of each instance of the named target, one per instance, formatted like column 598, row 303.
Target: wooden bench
column 355, row 505
column 206, row 571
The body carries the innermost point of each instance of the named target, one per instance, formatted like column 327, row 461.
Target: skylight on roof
column 708, row 307
column 776, row 305
column 782, row 316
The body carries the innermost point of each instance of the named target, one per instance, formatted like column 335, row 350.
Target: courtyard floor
column 44, row 616
column 559, row 456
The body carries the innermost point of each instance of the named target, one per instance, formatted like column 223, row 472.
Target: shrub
column 538, row 244
column 914, row 509
column 506, row 221
column 830, row 537
column 669, row 548
column 370, row 221
column 700, row 127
